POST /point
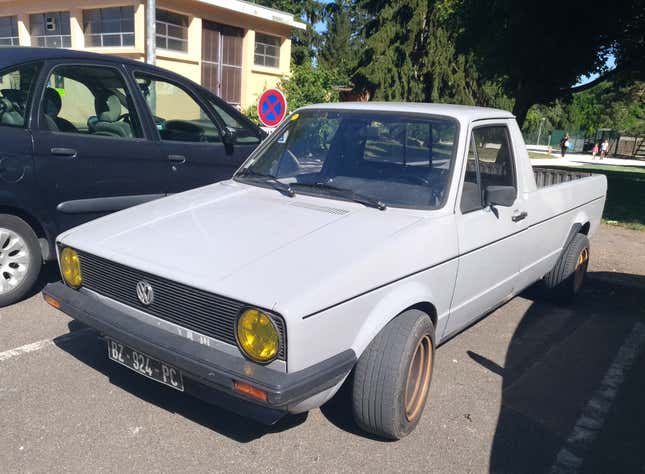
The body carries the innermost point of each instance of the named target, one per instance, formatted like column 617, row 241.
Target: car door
column 489, row 250
column 91, row 153
column 192, row 138
column 17, row 85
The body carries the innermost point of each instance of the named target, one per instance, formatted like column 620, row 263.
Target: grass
column 625, row 205
column 539, row 156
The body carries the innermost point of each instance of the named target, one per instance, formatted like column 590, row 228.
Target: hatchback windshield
column 376, row 158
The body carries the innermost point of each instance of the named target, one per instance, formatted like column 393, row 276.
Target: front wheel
column 20, row 259
column 393, row 375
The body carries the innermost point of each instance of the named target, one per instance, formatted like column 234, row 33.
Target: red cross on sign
column 272, row 107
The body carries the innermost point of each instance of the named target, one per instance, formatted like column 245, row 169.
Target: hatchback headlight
column 257, row 336
column 70, row 267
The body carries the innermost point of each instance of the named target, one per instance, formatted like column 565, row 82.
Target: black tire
column 565, row 280
column 33, row 260
column 380, row 400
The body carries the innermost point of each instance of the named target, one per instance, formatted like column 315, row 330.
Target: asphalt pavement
column 533, row 387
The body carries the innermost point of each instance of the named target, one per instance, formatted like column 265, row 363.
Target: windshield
column 382, row 158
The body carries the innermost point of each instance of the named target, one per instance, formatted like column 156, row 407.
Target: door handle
column 518, row 216
column 177, row 159
column 66, row 152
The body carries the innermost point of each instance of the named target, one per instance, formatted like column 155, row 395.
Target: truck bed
column 548, row 176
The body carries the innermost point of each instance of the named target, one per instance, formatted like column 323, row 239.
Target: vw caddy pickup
column 353, row 241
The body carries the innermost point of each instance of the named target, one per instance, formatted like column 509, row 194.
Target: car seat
column 9, row 115
column 108, row 112
column 52, row 103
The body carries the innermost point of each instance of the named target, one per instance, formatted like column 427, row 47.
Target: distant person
column 594, row 151
column 604, row 148
column 564, row 145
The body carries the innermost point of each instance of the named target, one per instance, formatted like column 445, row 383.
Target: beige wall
column 255, row 79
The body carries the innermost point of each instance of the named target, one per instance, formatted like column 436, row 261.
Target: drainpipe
column 151, row 21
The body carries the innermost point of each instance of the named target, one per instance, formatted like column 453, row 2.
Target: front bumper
column 211, row 372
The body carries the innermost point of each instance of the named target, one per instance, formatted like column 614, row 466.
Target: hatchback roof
column 10, row 55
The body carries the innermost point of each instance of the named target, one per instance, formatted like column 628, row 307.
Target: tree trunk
column 520, row 109
column 522, row 104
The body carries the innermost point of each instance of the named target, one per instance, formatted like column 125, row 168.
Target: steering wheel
column 420, row 180
column 125, row 117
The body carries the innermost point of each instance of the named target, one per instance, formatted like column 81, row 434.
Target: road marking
column 592, row 419
column 36, row 346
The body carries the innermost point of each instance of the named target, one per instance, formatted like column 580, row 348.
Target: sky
column 611, row 64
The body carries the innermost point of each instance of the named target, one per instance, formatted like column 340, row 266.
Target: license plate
column 145, row 365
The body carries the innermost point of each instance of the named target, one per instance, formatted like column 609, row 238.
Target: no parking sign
column 272, row 107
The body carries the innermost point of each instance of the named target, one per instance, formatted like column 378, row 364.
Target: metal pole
column 540, row 130
column 151, row 22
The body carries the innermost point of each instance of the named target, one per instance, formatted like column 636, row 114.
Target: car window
column 89, row 100
column 16, row 89
column 244, row 133
column 177, row 115
column 400, row 160
column 490, row 163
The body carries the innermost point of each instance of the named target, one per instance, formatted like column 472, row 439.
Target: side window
column 244, row 134
column 16, row 89
column 490, row 163
column 90, row 100
column 177, row 115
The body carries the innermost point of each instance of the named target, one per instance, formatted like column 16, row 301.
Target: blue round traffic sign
column 272, row 107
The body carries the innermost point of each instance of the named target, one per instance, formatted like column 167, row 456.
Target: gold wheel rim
column 418, row 381
column 581, row 267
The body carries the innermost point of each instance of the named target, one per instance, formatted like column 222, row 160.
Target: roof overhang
column 257, row 11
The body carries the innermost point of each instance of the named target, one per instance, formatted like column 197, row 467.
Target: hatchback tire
column 20, row 259
column 392, row 377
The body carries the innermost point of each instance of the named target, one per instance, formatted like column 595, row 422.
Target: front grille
column 197, row 310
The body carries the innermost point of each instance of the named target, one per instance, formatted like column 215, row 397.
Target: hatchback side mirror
column 229, row 138
column 500, row 196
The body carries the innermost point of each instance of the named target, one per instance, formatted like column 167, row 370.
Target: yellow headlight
column 257, row 336
column 70, row 267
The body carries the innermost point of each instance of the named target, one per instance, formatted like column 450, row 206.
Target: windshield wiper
column 272, row 181
column 346, row 193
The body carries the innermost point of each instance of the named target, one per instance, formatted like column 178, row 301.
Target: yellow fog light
column 70, row 267
column 257, row 336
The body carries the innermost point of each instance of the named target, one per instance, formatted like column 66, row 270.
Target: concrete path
column 573, row 159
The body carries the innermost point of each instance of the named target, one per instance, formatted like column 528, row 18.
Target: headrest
column 53, row 102
column 108, row 108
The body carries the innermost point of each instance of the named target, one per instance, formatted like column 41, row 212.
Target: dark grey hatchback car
column 83, row 135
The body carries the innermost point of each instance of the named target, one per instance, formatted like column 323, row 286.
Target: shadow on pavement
column 555, row 361
column 92, row 351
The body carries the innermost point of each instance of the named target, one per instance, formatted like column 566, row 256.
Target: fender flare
column 401, row 298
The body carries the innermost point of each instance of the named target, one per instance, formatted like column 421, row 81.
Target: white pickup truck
column 354, row 240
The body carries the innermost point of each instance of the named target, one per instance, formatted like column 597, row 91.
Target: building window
column 172, row 31
column 9, row 31
column 267, row 50
column 109, row 27
column 50, row 30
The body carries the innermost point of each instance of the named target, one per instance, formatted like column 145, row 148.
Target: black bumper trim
column 208, row 366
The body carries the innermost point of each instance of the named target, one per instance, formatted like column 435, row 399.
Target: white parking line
column 592, row 419
column 36, row 346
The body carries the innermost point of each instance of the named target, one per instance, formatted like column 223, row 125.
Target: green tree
column 541, row 49
column 308, row 84
column 341, row 42
column 410, row 55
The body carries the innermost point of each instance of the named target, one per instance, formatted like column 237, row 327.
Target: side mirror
column 229, row 139
column 500, row 196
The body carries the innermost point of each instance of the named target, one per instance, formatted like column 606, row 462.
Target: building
column 235, row 48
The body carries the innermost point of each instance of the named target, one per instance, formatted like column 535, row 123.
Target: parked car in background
column 357, row 237
column 83, row 135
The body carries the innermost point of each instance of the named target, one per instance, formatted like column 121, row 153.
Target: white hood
column 252, row 244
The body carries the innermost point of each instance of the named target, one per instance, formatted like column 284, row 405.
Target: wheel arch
column 38, row 227
column 413, row 295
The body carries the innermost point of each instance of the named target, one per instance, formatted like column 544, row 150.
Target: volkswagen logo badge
column 145, row 293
